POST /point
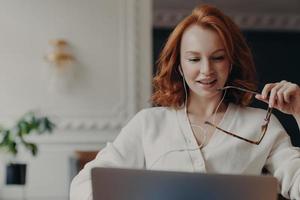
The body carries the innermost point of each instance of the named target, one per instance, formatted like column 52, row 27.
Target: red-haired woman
column 206, row 78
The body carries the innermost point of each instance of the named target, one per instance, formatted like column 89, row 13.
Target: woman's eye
column 218, row 58
column 193, row 59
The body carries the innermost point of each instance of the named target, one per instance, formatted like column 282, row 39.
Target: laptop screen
column 130, row 184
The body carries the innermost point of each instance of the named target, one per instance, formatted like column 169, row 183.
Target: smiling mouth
column 207, row 82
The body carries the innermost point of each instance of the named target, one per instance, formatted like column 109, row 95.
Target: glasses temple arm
column 238, row 88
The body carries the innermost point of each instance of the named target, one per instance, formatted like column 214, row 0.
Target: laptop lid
column 130, row 184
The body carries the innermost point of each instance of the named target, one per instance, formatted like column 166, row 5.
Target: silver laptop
column 129, row 184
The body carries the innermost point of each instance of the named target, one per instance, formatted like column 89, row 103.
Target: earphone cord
column 185, row 101
column 214, row 113
column 185, row 108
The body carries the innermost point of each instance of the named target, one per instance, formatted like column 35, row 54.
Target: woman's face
column 203, row 60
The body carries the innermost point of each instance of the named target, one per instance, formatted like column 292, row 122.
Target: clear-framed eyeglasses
column 264, row 125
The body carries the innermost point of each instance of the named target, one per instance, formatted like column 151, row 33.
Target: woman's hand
column 284, row 96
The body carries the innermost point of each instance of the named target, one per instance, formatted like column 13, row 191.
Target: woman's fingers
column 259, row 97
column 274, row 93
column 268, row 87
column 289, row 91
column 274, row 96
column 284, row 96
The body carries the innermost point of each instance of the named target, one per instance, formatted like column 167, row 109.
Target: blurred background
column 88, row 65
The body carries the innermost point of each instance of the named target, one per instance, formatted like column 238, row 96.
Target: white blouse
column 161, row 138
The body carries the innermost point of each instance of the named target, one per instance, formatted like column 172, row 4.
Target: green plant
column 11, row 138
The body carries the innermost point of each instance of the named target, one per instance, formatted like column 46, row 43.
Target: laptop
column 132, row 184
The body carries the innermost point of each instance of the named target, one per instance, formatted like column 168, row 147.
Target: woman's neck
column 205, row 107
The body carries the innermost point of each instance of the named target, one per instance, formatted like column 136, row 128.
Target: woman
column 205, row 81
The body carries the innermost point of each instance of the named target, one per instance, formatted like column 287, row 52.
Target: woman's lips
column 207, row 83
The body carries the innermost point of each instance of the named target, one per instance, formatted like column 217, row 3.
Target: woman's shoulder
column 153, row 115
column 254, row 114
column 156, row 114
column 249, row 111
column 157, row 111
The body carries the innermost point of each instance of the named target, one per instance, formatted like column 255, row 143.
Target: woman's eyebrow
column 198, row 53
column 217, row 51
column 192, row 52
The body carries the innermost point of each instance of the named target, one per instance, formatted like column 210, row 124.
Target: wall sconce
column 60, row 57
column 61, row 62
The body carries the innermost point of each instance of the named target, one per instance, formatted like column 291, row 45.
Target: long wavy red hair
column 168, row 85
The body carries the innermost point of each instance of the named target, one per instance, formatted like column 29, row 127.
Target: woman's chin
column 207, row 94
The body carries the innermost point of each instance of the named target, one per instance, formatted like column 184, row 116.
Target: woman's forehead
column 202, row 40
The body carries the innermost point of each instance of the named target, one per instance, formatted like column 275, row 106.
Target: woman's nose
column 205, row 67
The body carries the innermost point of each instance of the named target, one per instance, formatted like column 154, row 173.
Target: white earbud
column 180, row 70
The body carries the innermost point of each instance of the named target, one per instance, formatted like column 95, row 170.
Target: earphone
column 180, row 70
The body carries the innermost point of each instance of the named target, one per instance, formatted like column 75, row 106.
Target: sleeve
column 125, row 152
column 284, row 163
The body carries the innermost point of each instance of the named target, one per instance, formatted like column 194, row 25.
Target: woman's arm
column 283, row 161
column 284, row 96
column 125, row 152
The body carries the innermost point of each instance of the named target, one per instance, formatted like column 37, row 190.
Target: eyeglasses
column 264, row 126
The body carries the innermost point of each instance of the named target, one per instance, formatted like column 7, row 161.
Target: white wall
column 111, row 42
